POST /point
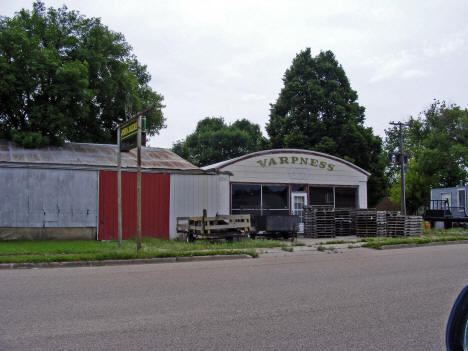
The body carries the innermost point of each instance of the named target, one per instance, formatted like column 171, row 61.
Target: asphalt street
column 360, row 299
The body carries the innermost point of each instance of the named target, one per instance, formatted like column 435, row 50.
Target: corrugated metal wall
column 155, row 190
column 190, row 194
column 48, row 198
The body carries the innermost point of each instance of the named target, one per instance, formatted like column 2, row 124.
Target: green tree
column 215, row 141
column 436, row 143
column 318, row 110
column 68, row 77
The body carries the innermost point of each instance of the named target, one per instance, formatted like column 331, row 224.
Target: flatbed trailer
column 226, row 227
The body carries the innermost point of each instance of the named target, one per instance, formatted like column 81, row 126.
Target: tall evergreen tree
column 68, row 77
column 318, row 110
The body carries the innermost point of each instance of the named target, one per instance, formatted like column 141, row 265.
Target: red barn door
column 155, row 193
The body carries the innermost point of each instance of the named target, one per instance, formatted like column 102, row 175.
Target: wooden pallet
column 343, row 222
column 413, row 225
column 370, row 222
column 319, row 222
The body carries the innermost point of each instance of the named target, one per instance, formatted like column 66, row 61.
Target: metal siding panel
column 128, row 205
column 47, row 198
column 107, row 205
column 172, row 218
column 154, row 205
column 189, row 194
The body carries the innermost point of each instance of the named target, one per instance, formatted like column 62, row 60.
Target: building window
column 275, row 197
column 246, row 197
column 321, row 196
column 259, row 199
column 345, row 197
column 461, row 199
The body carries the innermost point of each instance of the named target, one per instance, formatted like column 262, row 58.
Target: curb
column 435, row 243
column 122, row 262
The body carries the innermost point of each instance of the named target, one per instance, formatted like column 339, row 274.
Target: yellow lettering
column 294, row 159
column 304, row 160
column 283, row 160
column 322, row 164
column 262, row 163
column 331, row 167
column 272, row 162
column 313, row 162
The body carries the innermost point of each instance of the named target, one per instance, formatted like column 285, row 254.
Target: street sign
column 128, row 134
column 131, row 134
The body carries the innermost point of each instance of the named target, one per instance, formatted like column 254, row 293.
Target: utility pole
column 130, row 136
column 139, row 184
column 402, row 165
column 119, row 190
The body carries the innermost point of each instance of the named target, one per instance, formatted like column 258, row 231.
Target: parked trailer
column 275, row 226
column 226, row 227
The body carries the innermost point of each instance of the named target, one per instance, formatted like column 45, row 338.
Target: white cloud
column 390, row 67
column 413, row 73
column 253, row 97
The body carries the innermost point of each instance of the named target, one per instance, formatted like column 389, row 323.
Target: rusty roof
column 94, row 155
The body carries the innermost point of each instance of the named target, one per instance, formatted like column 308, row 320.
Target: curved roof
column 91, row 155
column 220, row 165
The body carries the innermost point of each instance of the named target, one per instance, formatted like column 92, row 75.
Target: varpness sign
column 295, row 160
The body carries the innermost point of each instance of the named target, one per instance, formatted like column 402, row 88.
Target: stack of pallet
column 413, row 225
column 395, row 224
column 370, row 223
column 319, row 222
column 381, row 223
column 343, row 222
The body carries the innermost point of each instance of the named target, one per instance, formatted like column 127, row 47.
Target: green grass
column 326, row 248
column 62, row 251
column 377, row 243
column 331, row 242
column 287, row 248
column 297, row 243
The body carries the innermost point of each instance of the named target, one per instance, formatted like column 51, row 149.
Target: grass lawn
column 429, row 236
column 61, row 251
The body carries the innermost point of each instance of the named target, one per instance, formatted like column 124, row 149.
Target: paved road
column 357, row 300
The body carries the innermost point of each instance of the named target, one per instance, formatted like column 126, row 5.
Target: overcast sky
column 227, row 58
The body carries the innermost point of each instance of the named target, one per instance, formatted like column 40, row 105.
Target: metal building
column 283, row 181
column 70, row 192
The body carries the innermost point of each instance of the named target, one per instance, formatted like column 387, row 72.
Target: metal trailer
column 226, row 227
column 275, row 226
column 441, row 211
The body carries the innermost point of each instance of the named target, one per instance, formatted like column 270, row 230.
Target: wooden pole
column 119, row 190
column 402, row 166
column 139, row 185
column 402, row 173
